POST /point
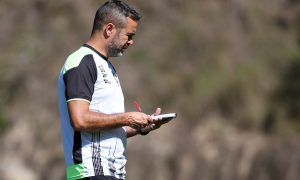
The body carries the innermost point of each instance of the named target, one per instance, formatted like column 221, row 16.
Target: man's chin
column 117, row 55
column 120, row 53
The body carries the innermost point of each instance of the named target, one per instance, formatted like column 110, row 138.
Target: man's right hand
column 138, row 120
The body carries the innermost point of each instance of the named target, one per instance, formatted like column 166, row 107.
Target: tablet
column 164, row 116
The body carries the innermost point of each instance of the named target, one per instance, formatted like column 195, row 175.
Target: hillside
column 230, row 69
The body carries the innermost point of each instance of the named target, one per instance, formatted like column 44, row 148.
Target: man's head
column 117, row 22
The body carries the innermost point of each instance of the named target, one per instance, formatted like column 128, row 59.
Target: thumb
column 157, row 111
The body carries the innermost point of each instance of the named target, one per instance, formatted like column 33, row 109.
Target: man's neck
column 97, row 44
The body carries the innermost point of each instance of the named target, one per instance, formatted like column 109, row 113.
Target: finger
column 159, row 124
column 167, row 120
column 157, row 111
column 156, row 126
column 149, row 119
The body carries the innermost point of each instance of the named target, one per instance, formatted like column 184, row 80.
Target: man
column 94, row 125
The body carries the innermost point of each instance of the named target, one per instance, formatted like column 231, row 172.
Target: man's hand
column 155, row 124
column 138, row 120
column 136, row 128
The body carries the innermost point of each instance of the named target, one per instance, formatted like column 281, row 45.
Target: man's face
column 122, row 39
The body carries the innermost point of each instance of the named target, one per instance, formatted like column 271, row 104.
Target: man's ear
column 109, row 29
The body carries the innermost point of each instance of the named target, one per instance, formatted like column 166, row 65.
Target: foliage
column 230, row 69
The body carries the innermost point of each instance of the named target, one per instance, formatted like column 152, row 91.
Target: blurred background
column 229, row 68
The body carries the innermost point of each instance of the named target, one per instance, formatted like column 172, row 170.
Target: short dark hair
column 116, row 12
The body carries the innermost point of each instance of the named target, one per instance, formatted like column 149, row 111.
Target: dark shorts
column 101, row 178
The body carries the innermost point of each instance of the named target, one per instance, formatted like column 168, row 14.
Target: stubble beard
column 115, row 49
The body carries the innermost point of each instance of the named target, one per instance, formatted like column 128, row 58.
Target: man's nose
column 130, row 42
